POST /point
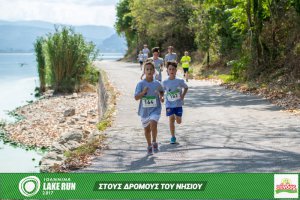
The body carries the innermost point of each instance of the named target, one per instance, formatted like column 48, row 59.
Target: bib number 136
column 149, row 102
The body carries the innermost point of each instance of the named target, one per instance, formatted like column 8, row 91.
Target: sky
column 72, row 12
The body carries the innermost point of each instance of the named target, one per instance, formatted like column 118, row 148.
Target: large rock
column 50, row 159
column 72, row 145
column 59, row 148
column 93, row 121
column 94, row 135
column 69, row 112
column 47, row 164
column 75, row 95
column 75, row 135
column 51, row 155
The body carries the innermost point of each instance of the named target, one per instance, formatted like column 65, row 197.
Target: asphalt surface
column 222, row 131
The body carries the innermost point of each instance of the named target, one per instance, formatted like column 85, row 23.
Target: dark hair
column 149, row 62
column 155, row 49
column 174, row 64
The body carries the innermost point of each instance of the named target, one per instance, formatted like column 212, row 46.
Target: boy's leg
column 153, row 127
column 178, row 114
column 172, row 124
column 147, row 131
column 178, row 119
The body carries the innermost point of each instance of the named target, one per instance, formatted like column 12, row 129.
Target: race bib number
column 173, row 96
column 149, row 102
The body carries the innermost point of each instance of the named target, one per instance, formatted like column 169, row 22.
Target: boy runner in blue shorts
column 176, row 90
column 150, row 93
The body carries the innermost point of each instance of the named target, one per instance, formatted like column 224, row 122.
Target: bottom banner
column 149, row 186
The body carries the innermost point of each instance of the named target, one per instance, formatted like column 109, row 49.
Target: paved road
column 222, row 131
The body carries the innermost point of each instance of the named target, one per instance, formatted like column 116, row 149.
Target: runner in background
column 185, row 61
column 170, row 56
column 158, row 63
column 146, row 51
column 141, row 59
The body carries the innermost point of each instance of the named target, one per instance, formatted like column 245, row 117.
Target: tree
column 65, row 58
column 125, row 23
column 41, row 60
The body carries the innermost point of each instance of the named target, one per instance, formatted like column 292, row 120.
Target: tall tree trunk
column 257, row 51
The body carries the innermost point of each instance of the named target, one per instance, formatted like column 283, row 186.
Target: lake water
column 18, row 79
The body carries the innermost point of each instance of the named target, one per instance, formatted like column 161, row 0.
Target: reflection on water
column 18, row 78
column 16, row 159
column 14, row 93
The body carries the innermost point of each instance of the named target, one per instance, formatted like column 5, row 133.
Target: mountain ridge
column 19, row 36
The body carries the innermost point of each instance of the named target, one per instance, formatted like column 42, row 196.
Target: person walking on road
column 170, row 56
column 185, row 61
column 146, row 51
column 175, row 90
column 141, row 59
column 158, row 63
column 151, row 95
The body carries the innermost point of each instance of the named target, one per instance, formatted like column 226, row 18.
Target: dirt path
column 222, row 131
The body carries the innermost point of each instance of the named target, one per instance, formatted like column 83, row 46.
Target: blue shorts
column 177, row 111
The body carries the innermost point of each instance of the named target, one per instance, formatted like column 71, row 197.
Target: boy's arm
column 184, row 93
column 161, row 96
column 141, row 94
column 161, row 93
column 162, row 65
column 185, row 89
column 142, row 75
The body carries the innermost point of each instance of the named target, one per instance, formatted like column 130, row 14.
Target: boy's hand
column 161, row 99
column 145, row 90
column 182, row 97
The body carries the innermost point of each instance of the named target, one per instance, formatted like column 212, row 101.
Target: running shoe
column 155, row 147
column 149, row 150
column 173, row 140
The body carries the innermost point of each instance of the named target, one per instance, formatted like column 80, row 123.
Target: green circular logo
column 29, row 186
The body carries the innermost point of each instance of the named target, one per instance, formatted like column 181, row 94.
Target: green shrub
column 238, row 68
column 297, row 49
column 91, row 75
column 226, row 78
column 40, row 58
column 68, row 59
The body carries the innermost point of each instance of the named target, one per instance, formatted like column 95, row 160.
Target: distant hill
column 113, row 44
column 19, row 36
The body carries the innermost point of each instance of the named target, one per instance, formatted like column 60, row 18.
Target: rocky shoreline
column 61, row 123
column 52, row 116
column 66, row 125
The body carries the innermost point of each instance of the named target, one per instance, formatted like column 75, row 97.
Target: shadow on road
column 211, row 96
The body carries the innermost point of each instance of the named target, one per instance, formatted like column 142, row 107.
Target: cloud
column 74, row 12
